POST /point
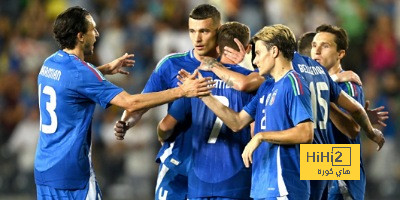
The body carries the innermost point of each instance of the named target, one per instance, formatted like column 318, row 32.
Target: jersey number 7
column 218, row 122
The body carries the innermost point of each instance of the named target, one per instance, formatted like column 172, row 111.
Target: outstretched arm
column 136, row 105
column 234, row 120
column 360, row 116
column 191, row 87
column 128, row 120
column 301, row 133
column 116, row 65
column 236, row 80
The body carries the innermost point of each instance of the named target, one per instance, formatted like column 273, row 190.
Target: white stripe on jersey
column 161, row 174
column 92, row 194
column 167, row 152
column 281, row 183
column 296, row 83
column 352, row 90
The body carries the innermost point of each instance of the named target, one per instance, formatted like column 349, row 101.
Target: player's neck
column 335, row 69
column 77, row 52
column 200, row 58
column 281, row 67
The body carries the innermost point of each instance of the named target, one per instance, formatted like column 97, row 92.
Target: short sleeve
column 91, row 83
column 180, row 109
column 156, row 81
column 251, row 107
column 298, row 99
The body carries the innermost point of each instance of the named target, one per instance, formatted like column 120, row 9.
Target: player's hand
column 247, row 154
column 232, row 54
column 376, row 115
column 378, row 138
column 348, row 76
column 116, row 65
column 183, row 75
column 120, row 129
column 196, row 87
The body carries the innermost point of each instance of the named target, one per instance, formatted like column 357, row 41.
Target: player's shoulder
column 170, row 59
column 305, row 64
column 293, row 81
column 351, row 88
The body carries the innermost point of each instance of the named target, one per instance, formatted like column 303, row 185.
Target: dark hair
column 304, row 43
column 68, row 24
column 205, row 11
column 230, row 30
column 341, row 39
column 280, row 36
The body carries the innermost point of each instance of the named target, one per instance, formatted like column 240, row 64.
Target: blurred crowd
column 151, row 29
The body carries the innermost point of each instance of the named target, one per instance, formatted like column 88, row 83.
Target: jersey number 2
column 50, row 107
column 218, row 122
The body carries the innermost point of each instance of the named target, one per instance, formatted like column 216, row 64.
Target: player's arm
column 116, row 65
column 360, row 116
column 343, row 122
column 300, row 134
column 128, row 120
column 235, row 80
column 234, row 120
column 349, row 127
column 166, row 127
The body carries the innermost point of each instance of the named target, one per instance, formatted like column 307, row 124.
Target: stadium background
column 153, row 28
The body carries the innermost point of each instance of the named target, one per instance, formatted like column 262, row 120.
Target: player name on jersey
column 221, row 84
column 313, row 70
column 51, row 73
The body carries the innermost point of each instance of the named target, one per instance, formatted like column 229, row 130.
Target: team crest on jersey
column 266, row 100
column 273, row 98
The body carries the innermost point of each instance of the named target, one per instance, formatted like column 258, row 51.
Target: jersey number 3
column 50, row 108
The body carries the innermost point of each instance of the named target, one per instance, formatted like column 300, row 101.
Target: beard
column 88, row 49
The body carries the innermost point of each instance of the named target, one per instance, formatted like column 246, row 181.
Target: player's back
column 68, row 92
column 217, row 167
column 323, row 91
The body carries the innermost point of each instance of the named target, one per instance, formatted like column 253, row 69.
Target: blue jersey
column 323, row 91
column 176, row 151
column 217, row 169
column 279, row 106
column 356, row 188
column 69, row 89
